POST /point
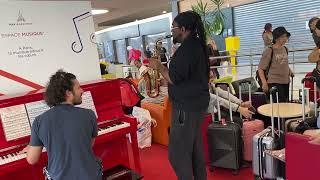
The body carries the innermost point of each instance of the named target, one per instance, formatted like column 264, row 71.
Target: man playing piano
column 67, row 132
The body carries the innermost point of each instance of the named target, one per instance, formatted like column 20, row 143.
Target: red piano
column 116, row 143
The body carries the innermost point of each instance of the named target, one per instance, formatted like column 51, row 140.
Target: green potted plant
column 211, row 16
column 206, row 16
column 218, row 15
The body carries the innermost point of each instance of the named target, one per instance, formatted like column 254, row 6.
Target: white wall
column 36, row 40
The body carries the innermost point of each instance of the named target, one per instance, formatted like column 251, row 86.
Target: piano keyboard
column 14, row 157
column 112, row 128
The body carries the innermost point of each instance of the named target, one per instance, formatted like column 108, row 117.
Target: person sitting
column 237, row 105
column 314, row 136
column 315, row 73
column 141, row 84
column 314, row 57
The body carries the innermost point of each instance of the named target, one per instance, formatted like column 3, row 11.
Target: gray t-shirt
column 66, row 132
column 279, row 69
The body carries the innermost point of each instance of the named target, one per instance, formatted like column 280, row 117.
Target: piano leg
column 135, row 150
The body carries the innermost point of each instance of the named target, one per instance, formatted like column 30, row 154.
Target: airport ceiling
column 125, row 11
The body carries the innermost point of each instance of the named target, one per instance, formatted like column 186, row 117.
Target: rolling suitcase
column 224, row 141
column 265, row 166
column 299, row 125
column 250, row 128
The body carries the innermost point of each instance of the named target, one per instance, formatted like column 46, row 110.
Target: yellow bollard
column 233, row 45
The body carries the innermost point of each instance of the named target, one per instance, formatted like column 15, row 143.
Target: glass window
column 109, row 51
column 136, row 43
column 150, row 41
column 121, row 51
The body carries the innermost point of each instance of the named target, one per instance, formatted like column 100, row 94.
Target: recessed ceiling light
column 99, row 11
column 163, row 12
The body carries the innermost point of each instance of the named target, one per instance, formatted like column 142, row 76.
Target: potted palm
column 211, row 16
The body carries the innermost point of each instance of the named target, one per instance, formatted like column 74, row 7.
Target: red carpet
column 156, row 166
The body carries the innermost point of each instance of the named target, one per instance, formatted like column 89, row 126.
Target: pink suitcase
column 250, row 128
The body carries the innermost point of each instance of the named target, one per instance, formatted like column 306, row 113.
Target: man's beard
column 77, row 101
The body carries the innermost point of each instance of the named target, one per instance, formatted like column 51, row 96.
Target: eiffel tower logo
column 20, row 17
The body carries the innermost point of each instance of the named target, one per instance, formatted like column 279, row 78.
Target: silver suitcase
column 265, row 166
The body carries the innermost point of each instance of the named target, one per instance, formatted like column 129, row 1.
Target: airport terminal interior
column 160, row 90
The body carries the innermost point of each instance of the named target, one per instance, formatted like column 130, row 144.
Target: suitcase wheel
column 235, row 172
column 211, row 169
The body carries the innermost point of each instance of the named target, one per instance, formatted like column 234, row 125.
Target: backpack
column 258, row 78
column 130, row 96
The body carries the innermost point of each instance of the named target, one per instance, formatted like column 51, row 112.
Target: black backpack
column 258, row 78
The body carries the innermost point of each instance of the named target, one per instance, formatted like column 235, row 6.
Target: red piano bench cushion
column 302, row 158
column 162, row 114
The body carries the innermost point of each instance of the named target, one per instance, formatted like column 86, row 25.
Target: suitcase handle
column 240, row 95
column 222, row 84
column 274, row 90
column 314, row 80
column 245, row 82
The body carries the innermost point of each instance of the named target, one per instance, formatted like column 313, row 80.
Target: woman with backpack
column 273, row 69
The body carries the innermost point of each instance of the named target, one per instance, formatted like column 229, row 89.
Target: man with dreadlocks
column 188, row 77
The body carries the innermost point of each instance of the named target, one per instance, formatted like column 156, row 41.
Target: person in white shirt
column 237, row 105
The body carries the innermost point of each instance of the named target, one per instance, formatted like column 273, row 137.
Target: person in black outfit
column 103, row 69
column 162, row 53
column 188, row 77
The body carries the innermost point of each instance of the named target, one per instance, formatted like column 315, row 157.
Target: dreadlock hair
column 56, row 89
column 191, row 21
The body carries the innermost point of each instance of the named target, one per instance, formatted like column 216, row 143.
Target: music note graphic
column 77, row 47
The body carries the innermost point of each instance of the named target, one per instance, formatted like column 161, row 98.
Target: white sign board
column 38, row 38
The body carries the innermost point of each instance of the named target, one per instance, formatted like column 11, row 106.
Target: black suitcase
column 224, row 142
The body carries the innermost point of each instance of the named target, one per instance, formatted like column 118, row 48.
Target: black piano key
column 2, row 157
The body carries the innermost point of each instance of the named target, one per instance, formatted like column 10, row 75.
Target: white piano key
column 113, row 128
column 14, row 157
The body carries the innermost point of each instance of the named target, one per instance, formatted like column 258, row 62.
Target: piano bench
column 120, row 173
